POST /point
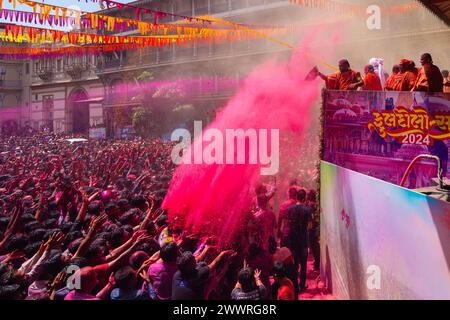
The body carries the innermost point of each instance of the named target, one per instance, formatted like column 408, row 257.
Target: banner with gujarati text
column 97, row 133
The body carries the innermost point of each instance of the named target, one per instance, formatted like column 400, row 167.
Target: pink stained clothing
column 265, row 223
column 283, row 211
column 38, row 288
column 161, row 273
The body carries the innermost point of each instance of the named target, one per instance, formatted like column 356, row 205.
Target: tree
column 145, row 77
column 143, row 122
column 163, row 105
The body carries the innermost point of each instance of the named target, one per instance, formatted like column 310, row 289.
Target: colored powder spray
column 215, row 198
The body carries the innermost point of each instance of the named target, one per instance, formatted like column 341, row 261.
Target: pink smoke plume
column 216, row 198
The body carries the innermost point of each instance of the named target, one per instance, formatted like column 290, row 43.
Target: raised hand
column 84, row 195
column 137, row 234
column 59, row 281
column 144, row 276
column 153, row 259
column 13, row 256
column 54, row 241
column 96, row 222
column 142, row 238
column 228, row 252
column 257, row 274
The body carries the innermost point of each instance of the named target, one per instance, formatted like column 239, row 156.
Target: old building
column 14, row 88
column 73, row 93
column 215, row 70
column 66, row 94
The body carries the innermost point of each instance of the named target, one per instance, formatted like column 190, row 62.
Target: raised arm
column 114, row 254
column 213, row 265
column 84, row 245
column 123, row 258
column 86, row 200
column 148, row 217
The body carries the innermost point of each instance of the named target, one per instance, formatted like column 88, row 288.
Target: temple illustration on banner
column 379, row 133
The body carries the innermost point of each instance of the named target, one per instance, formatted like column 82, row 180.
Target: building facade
column 74, row 93
column 13, row 90
column 65, row 94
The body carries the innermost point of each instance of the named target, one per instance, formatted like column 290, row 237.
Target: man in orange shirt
column 393, row 78
column 282, row 288
column 345, row 79
column 407, row 76
column 429, row 78
column 371, row 81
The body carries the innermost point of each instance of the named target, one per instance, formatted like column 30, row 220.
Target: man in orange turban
column 371, row 81
column 393, row 79
column 429, row 78
column 345, row 79
column 407, row 76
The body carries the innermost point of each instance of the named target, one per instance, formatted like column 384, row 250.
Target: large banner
column 381, row 241
column 97, row 133
column 380, row 133
column 125, row 133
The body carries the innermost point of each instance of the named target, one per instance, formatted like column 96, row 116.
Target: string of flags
column 94, row 32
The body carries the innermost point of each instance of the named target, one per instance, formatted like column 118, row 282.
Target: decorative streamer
column 158, row 15
column 97, row 22
column 138, row 10
column 14, row 52
column 34, row 35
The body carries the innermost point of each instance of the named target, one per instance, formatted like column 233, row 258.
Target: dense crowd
column 84, row 222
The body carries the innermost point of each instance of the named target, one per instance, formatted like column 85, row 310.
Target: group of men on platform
column 405, row 77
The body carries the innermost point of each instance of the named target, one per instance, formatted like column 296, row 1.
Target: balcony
column 110, row 65
column 11, row 84
column 75, row 70
column 45, row 73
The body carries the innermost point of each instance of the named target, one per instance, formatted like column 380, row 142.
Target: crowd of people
column 85, row 222
column 404, row 77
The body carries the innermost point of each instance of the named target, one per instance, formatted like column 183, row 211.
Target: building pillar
column 216, row 83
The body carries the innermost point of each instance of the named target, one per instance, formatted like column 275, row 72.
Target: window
column 238, row 4
column 183, row 7
column 27, row 68
column 218, row 6
column 47, row 107
column 59, row 65
column 201, row 7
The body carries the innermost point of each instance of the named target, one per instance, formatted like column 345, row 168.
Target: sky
column 86, row 5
